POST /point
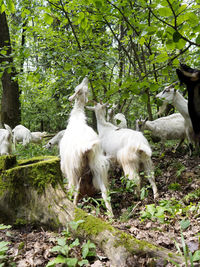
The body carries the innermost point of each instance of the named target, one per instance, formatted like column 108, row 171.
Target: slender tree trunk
column 10, row 105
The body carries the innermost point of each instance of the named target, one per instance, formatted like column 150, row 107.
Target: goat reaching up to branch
column 129, row 148
column 81, row 151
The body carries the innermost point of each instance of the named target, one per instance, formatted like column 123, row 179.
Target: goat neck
column 78, row 112
column 181, row 104
column 102, row 124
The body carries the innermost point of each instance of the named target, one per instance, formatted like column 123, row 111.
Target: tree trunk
column 10, row 105
column 32, row 192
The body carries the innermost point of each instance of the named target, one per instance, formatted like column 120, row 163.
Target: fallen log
column 32, row 192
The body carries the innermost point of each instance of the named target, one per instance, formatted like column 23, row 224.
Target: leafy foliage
column 129, row 50
column 4, row 259
column 64, row 247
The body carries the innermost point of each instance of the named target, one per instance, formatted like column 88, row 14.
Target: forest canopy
column 129, row 50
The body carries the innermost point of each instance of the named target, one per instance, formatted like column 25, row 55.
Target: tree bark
column 32, row 192
column 10, row 104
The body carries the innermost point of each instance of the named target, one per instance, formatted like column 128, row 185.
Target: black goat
column 191, row 78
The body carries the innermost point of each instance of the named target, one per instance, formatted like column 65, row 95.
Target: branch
column 175, row 27
column 124, row 49
column 62, row 8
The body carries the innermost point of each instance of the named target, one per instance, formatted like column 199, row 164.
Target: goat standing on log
column 191, row 78
column 81, row 152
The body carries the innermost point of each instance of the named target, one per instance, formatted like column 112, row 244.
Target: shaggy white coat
column 80, row 148
column 55, row 140
column 129, row 148
column 5, row 142
column 21, row 134
column 172, row 96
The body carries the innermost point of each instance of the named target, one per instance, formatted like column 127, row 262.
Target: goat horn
column 90, row 108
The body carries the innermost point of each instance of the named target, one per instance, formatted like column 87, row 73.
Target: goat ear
column 77, row 92
column 195, row 76
column 72, row 97
column 146, row 119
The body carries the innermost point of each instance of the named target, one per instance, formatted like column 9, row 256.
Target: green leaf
column 196, row 256
column 162, row 57
column 181, row 43
column 176, row 37
column 198, row 39
column 170, row 44
column 62, row 241
column 184, row 224
column 88, row 249
column 98, row 3
column 75, row 243
column 3, row 247
column 165, row 11
column 48, row 19
column 10, row 6
column 2, row 8
column 1, row 3
column 3, row 226
column 74, row 224
column 83, row 262
column 70, row 262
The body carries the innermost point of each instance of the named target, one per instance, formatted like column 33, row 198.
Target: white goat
column 21, row 134
column 37, row 137
column 81, row 151
column 120, row 120
column 55, row 140
column 5, row 141
column 172, row 96
column 129, row 148
column 171, row 127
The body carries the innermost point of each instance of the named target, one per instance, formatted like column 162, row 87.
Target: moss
column 129, row 242
column 22, row 185
column 21, row 246
column 20, row 222
column 192, row 197
column 35, row 160
column 7, row 162
column 91, row 225
column 34, row 173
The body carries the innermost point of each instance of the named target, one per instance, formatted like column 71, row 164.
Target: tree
column 10, row 104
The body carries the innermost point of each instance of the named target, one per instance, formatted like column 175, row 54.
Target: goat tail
column 99, row 165
column 7, row 127
column 145, row 150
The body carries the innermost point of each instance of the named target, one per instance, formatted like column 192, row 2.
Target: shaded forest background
column 128, row 49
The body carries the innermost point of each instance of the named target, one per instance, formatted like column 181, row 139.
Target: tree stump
column 32, row 192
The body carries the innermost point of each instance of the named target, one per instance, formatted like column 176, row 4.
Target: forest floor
column 160, row 222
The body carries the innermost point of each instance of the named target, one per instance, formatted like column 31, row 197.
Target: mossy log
column 32, row 192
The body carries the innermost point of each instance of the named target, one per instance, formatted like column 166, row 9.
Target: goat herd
column 85, row 156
